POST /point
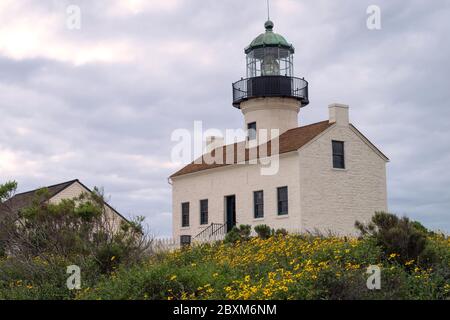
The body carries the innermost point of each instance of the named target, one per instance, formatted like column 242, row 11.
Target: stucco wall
column 332, row 199
column 239, row 180
column 271, row 113
column 73, row 191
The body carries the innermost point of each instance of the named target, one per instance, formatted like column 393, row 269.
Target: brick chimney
column 339, row 114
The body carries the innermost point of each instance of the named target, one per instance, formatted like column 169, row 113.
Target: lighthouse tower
column 270, row 97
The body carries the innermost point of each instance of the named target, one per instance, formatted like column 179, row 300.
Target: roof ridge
column 308, row 125
column 47, row 187
column 243, row 141
column 289, row 141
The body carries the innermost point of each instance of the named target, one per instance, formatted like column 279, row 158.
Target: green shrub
column 52, row 237
column 291, row 267
column 241, row 233
column 281, row 232
column 263, row 231
column 397, row 236
column 78, row 227
column 42, row 279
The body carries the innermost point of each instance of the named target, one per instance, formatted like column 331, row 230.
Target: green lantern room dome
column 269, row 39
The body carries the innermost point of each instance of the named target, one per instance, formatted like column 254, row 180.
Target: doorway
column 230, row 212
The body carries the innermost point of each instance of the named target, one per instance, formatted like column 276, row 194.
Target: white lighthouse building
column 328, row 174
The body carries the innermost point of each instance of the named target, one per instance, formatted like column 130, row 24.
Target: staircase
column 214, row 232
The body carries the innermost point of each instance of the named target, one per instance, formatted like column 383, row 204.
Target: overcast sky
column 100, row 103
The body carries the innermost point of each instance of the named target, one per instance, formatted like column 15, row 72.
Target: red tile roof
column 290, row 140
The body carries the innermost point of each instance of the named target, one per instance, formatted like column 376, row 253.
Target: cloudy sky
column 100, row 103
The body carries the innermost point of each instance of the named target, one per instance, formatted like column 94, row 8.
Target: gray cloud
column 100, row 103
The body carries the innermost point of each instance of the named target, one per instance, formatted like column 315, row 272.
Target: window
column 338, row 155
column 204, row 211
column 282, row 198
column 258, row 200
column 185, row 241
column 185, row 214
column 251, row 128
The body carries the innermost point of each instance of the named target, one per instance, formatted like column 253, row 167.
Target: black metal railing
column 270, row 86
column 212, row 230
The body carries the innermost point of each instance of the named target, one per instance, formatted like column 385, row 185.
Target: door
column 230, row 210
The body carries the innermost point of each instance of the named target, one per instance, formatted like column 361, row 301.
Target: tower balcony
column 270, row 86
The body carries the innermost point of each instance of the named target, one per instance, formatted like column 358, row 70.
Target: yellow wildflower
column 393, row 255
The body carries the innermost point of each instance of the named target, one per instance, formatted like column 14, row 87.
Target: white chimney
column 339, row 114
column 213, row 142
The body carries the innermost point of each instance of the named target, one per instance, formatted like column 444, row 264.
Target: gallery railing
column 270, row 86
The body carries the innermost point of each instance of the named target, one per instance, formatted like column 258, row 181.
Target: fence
column 164, row 244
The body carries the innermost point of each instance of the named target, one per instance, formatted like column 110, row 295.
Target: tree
column 7, row 190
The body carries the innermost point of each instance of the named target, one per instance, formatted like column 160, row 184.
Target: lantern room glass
column 270, row 61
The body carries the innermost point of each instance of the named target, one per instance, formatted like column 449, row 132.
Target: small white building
column 328, row 174
column 56, row 193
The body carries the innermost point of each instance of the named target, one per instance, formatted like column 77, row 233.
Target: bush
column 238, row 234
column 264, row 231
column 397, row 236
column 44, row 238
column 43, row 279
column 290, row 267
column 79, row 227
column 281, row 232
